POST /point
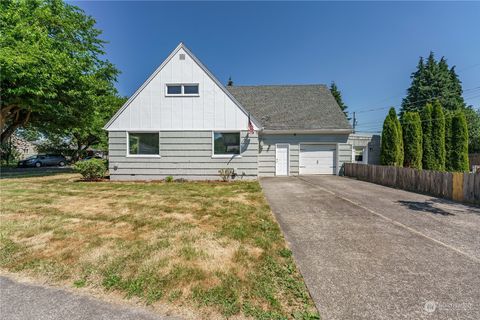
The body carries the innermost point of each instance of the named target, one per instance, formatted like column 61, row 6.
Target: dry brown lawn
column 203, row 249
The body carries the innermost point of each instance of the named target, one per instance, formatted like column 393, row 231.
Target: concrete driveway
column 372, row 252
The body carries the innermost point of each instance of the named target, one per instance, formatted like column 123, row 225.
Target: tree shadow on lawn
column 16, row 173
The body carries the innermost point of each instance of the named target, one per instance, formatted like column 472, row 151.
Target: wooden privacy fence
column 463, row 187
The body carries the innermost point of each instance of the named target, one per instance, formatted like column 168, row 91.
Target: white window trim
column 182, row 94
column 142, row 155
column 365, row 154
column 226, row 156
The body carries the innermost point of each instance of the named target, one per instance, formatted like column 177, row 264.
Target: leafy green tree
column 438, row 137
column 338, row 97
column 52, row 66
column 428, row 161
column 87, row 132
column 391, row 153
column 433, row 80
column 412, row 138
column 459, row 151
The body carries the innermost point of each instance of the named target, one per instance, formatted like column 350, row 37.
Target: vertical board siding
column 462, row 187
column 183, row 154
column 151, row 109
column 266, row 156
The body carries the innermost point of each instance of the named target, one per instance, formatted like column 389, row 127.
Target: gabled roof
column 181, row 45
column 289, row 107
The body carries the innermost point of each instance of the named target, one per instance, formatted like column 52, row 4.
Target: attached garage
column 304, row 131
column 317, row 159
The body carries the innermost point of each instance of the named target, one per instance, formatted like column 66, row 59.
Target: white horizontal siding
column 186, row 154
column 344, row 155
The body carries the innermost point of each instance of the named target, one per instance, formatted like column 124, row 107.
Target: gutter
column 308, row 131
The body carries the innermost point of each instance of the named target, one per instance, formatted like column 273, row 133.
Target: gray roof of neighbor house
column 286, row 107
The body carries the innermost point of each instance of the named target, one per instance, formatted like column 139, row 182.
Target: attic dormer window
column 181, row 90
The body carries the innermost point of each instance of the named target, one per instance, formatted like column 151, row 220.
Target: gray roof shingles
column 286, row 107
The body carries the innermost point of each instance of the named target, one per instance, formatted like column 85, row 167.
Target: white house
column 183, row 122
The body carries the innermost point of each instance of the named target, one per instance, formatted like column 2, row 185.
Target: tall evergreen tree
column 338, row 97
column 434, row 80
column 431, row 81
column 459, row 151
column 428, row 161
column 412, row 138
column 438, row 136
column 391, row 153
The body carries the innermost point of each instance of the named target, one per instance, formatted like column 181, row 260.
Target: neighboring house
column 474, row 161
column 183, row 122
column 24, row 147
column 365, row 148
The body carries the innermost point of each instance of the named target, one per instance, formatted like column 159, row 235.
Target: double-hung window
column 226, row 144
column 182, row 90
column 143, row 143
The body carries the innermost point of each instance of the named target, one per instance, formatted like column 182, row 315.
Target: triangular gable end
column 150, row 109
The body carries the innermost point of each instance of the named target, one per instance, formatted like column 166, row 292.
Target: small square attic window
column 190, row 89
column 182, row 56
column 174, row 89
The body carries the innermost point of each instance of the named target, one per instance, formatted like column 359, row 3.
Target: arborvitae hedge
column 459, row 143
column 438, row 137
column 400, row 146
column 412, row 140
column 391, row 153
column 428, row 161
column 448, row 140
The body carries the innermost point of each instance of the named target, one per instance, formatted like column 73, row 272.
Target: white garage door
column 317, row 159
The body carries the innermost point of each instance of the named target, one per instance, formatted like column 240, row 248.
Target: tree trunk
column 19, row 118
column 82, row 147
column 7, row 133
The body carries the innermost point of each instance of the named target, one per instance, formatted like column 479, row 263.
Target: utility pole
column 354, row 122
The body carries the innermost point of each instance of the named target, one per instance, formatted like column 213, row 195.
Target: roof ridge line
column 282, row 85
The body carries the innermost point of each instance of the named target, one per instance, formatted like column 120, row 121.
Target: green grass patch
column 214, row 247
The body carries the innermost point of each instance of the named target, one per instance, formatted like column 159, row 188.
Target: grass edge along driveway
column 211, row 248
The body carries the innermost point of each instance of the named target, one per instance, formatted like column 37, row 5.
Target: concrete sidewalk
column 21, row 301
column 372, row 252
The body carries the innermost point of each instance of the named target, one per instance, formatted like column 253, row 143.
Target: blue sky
column 368, row 48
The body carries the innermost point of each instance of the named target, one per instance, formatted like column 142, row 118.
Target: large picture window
column 143, row 143
column 226, row 143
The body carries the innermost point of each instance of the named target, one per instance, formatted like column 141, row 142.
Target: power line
column 459, row 70
column 431, row 120
column 417, row 101
column 373, row 124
